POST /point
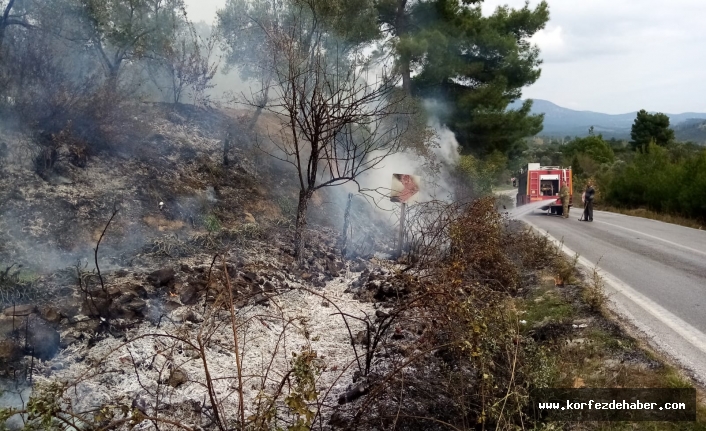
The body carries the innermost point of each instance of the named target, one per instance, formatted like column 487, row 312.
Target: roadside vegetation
column 651, row 176
column 452, row 335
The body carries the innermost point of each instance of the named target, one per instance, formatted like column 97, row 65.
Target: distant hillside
column 693, row 129
column 561, row 122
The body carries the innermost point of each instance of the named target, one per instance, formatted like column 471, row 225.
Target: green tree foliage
column 126, row 30
column 576, row 168
column 593, row 146
column 483, row 174
column 650, row 127
column 663, row 182
column 478, row 64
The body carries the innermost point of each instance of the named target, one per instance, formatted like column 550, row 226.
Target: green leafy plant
column 306, row 367
column 594, row 291
column 212, row 223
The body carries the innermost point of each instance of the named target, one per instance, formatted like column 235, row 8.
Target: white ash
column 106, row 372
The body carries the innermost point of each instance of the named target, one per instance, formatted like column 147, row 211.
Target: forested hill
column 693, row 130
column 559, row 121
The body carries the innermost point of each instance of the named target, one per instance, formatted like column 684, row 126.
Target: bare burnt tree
column 337, row 117
column 187, row 63
column 11, row 17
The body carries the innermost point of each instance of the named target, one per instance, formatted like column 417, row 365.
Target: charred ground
column 201, row 317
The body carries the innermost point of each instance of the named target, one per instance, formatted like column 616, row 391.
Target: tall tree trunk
column 401, row 30
column 254, row 118
column 260, row 106
column 406, row 76
column 304, row 196
column 226, row 148
column 3, row 21
column 2, row 33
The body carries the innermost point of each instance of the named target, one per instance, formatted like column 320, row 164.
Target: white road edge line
column 655, row 237
column 686, row 331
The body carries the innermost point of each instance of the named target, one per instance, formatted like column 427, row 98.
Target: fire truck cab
column 543, row 183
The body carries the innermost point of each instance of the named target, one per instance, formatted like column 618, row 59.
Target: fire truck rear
column 543, row 183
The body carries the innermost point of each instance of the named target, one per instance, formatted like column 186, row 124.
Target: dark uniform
column 588, row 212
column 564, row 194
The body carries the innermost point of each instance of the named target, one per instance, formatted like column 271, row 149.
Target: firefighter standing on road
column 564, row 194
column 588, row 212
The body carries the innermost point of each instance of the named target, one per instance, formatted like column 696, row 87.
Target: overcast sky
column 612, row 56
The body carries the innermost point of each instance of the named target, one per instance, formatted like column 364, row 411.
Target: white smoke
column 434, row 171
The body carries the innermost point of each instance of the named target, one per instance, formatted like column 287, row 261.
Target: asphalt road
column 655, row 275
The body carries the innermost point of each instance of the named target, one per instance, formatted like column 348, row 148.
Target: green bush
column 661, row 180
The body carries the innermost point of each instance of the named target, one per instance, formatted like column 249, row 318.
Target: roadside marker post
column 405, row 189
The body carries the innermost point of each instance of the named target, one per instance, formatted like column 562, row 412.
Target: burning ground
column 201, row 318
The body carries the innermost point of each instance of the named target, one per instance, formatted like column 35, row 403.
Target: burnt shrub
column 468, row 364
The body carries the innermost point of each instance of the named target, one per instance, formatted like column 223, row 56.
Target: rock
column 88, row 326
column 353, row 394
column 358, row 266
column 136, row 305
column 170, row 306
column 20, row 310
column 338, row 420
column 69, row 309
column 331, row 267
column 121, row 273
column 361, row 338
column 10, row 351
column 96, row 307
column 50, row 314
column 381, row 314
column 175, row 118
column 137, row 290
column 162, row 277
column 67, row 341
column 189, row 295
column 269, row 287
column 200, row 284
column 250, row 276
column 306, row 276
column 261, row 299
column 177, row 377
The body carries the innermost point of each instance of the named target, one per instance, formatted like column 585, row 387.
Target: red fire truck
column 542, row 183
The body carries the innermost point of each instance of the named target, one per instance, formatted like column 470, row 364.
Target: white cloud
column 619, row 56
column 550, row 41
